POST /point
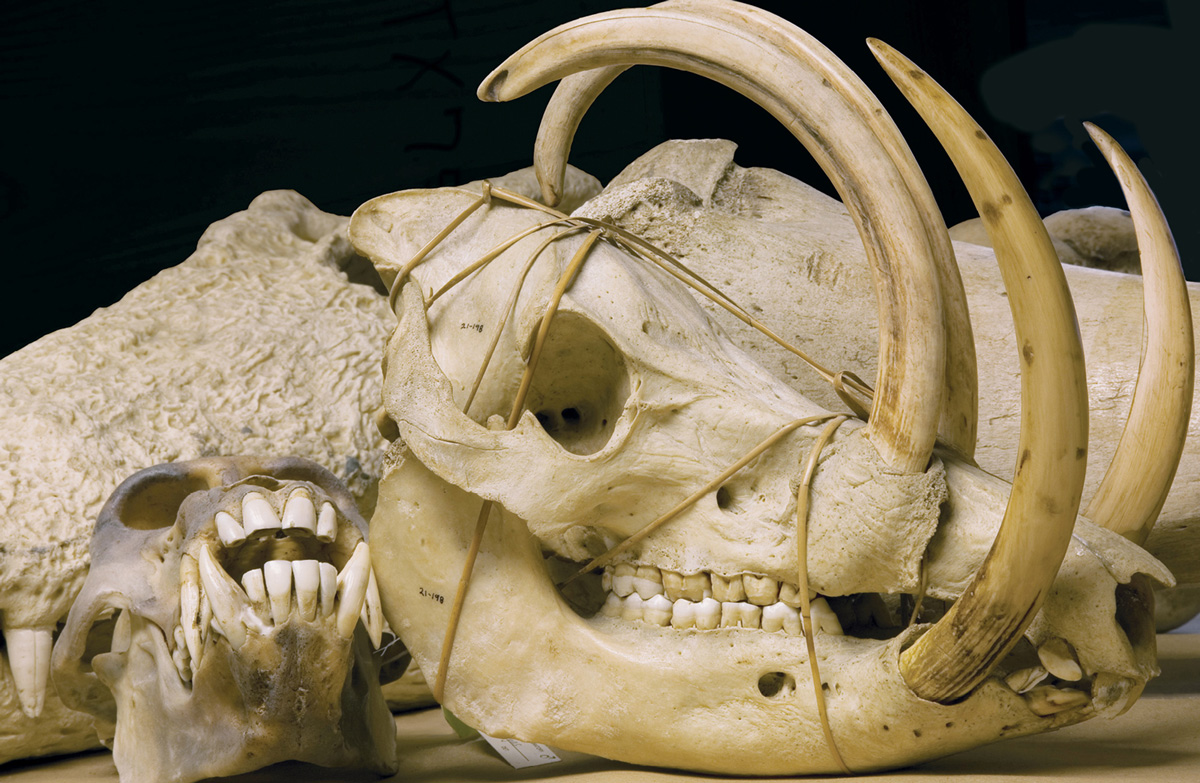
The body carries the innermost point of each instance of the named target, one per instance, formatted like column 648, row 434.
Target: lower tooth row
column 709, row 614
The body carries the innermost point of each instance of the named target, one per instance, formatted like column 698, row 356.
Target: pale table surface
column 1157, row 741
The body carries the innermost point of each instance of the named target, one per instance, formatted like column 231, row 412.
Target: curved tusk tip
column 489, row 89
column 1100, row 137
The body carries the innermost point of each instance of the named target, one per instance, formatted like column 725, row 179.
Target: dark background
column 129, row 127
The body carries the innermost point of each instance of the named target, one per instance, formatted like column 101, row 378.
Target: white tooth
column 632, row 607
column 728, row 589
column 1057, row 655
column 683, row 614
column 372, row 612
column 328, row 588
column 352, row 586
column 606, row 580
column 750, row 615
column 226, row 599
column 1024, row 680
column 730, row 615
column 189, row 608
column 824, row 619
column 256, row 590
column 1047, row 700
column 307, row 575
column 299, row 512
column 773, row 616
column 29, row 660
column 760, row 590
column 180, row 655
column 327, row 523
column 622, row 584
column 646, row 588
column 697, row 587
column 791, row 622
column 257, row 514
column 708, row 614
column 672, row 582
column 657, row 610
column 790, row 595
column 229, row 529
column 278, row 576
column 612, row 606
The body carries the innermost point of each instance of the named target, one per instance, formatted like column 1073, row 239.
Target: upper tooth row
column 709, row 613
column 648, row 581
column 299, row 512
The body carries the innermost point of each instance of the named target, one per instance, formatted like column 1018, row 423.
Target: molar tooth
column 789, row 594
column 760, row 590
column 226, row 599
column 672, row 583
column 728, row 589
column 647, row 581
column 751, row 615
column 372, row 611
column 632, row 607
column 1024, row 680
column 697, row 587
column 29, row 660
column 606, row 578
column 327, row 522
column 612, row 606
column 328, row 588
column 773, row 616
column 1058, row 656
column 299, row 512
column 708, row 614
column 307, row 576
column 824, row 619
column 257, row 513
column 256, row 590
column 229, row 530
column 1047, row 700
column 657, row 610
column 622, row 581
column 189, row 608
column 683, row 613
column 730, row 614
column 278, row 576
column 352, row 585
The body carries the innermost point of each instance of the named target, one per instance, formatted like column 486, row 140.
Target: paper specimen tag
column 521, row 754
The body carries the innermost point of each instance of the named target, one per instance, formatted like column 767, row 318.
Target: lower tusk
column 29, row 660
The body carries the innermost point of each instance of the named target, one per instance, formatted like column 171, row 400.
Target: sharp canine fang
column 29, row 660
column 299, row 512
column 278, row 576
column 189, row 608
column 229, row 529
column 225, row 597
column 257, row 513
column 352, row 584
column 373, row 609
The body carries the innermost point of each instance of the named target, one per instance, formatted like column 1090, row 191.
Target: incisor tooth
column 256, row 590
column 307, row 576
column 1057, row 655
column 708, row 614
column 189, row 608
column 299, row 512
column 1047, row 700
column 352, row 587
column 760, row 590
column 657, row 610
column 229, row 530
column 728, row 589
column 683, row 614
column 631, row 607
column 328, row 588
column 257, row 514
column 225, row 597
column 278, row 576
column 824, row 619
column 29, row 660
column 327, row 523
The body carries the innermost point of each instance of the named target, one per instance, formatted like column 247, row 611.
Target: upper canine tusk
column 995, row 609
column 822, row 103
column 1138, row 478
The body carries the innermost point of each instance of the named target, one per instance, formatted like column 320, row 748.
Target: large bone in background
column 792, row 256
column 263, row 342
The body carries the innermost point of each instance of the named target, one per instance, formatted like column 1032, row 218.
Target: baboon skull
column 227, row 624
column 685, row 650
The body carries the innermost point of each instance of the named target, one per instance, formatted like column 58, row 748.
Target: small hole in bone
column 724, row 498
column 570, row 416
column 775, row 684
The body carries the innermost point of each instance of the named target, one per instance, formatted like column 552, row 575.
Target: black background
column 129, row 127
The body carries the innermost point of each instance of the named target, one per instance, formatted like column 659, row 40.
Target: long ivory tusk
column 995, row 609
column 1143, row 467
column 800, row 94
column 575, row 94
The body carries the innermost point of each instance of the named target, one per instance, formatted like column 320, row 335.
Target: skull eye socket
column 580, row 385
column 155, row 503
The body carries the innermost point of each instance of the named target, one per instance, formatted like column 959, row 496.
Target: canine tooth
column 352, row 585
column 327, row 523
column 1024, row 680
column 307, row 576
column 683, row 613
column 29, row 660
column 372, row 611
column 328, row 589
column 824, row 619
column 1058, row 657
column 657, row 610
column 256, row 590
column 632, row 607
column 708, row 614
column 728, row 589
column 1047, row 700
column 760, row 590
column 647, row 581
column 697, row 587
column 299, row 512
column 225, row 597
column 229, row 529
column 189, row 608
column 278, row 576
column 257, row 513
column 612, row 606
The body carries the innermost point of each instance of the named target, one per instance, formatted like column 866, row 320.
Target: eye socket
column 580, row 385
column 154, row 503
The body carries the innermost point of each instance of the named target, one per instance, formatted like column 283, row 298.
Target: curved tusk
column 810, row 100
column 959, row 420
column 1143, row 467
column 995, row 609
